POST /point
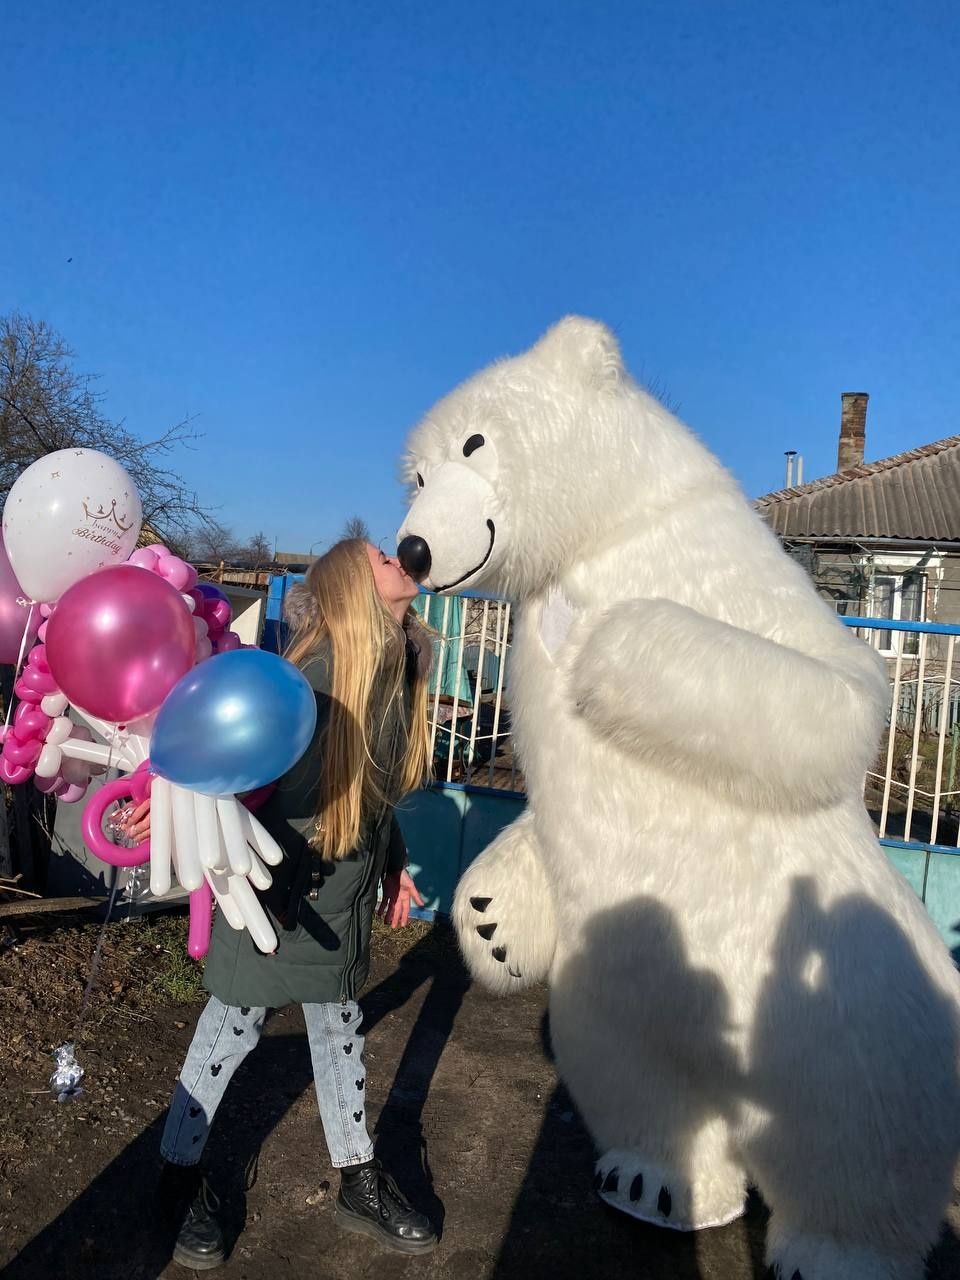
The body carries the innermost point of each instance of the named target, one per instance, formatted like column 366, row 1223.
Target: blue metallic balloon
column 234, row 723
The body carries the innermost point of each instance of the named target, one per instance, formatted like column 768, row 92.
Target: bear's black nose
column 414, row 555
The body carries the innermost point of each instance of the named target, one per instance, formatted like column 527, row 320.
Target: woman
column 357, row 641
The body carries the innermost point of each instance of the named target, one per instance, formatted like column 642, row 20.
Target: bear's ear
column 576, row 346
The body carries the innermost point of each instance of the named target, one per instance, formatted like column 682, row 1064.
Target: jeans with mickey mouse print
column 223, row 1038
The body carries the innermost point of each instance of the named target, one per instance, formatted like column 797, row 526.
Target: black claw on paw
column 194, row 1112
column 664, row 1202
column 499, row 953
column 514, row 973
column 636, row 1188
column 612, row 1181
column 215, row 1071
column 486, row 931
column 598, row 1180
column 480, row 904
column 348, row 1049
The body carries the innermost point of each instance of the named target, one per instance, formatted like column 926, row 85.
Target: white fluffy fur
column 742, row 987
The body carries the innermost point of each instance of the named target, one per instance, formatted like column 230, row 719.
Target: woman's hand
column 137, row 826
column 398, row 892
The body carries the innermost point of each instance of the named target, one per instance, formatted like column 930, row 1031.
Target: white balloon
column 231, row 825
column 254, row 916
column 69, row 513
column 59, row 731
column 161, row 837
column 185, row 855
column 217, row 881
column 48, row 765
column 259, row 876
column 54, row 704
column 260, row 838
column 208, row 832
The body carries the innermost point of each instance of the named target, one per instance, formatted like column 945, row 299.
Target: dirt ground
column 466, row 1106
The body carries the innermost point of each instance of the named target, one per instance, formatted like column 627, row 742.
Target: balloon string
column 95, row 962
column 20, row 657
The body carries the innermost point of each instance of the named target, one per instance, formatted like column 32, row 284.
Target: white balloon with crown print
column 69, row 513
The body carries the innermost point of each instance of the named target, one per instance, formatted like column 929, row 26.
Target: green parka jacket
column 322, row 910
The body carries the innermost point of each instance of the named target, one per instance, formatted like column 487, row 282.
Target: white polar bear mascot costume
column 742, row 989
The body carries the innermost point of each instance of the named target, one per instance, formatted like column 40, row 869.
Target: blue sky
column 302, row 223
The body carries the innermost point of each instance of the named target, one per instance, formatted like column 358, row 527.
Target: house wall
column 947, row 602
column 841, row 578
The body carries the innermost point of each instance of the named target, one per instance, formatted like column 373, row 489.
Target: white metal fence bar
column 456, row 696
column 478, row 689
column 942, row 741
column 441, row 654
column 504, row 609
column 917, row 725
column 917, row 775
column 891, row 742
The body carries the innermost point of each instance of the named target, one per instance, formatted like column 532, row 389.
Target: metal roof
column 914, row 496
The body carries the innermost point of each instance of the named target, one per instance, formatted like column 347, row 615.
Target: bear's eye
column 419, row 480
column 472, row 445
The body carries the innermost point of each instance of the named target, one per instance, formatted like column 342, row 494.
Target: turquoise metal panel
column 943, row 897
column 911, row 863
column 445, row 828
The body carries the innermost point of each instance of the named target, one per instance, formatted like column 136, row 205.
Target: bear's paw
column 652, row 1192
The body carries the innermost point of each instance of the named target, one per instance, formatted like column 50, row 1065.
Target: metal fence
column 470, row 731
column 912, row 789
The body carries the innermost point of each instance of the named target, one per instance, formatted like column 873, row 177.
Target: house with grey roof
column 880, row 539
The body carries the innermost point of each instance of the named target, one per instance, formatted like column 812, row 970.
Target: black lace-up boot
column 189, row 1206
column 371, row 1203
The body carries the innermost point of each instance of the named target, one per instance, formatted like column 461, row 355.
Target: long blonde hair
column 339, row 604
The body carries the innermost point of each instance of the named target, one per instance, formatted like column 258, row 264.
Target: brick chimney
column 853, row 429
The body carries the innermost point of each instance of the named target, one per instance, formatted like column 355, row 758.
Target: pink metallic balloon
column 201, row 919
column 70, row 792
column 119, row 641
column 13, row 774
column 30, row 722
column 135, row 785
column 22, row 754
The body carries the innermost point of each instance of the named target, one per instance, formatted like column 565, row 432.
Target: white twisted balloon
column 195, row 837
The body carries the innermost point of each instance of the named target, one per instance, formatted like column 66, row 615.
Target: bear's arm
column 754, row 718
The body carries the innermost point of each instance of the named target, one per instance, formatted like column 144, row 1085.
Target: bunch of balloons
column 127, row 638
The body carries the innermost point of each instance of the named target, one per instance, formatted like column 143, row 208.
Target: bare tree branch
column 45, row 405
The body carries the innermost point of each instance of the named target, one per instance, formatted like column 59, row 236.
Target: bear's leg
column 661, row 1113
column 503, row 912
column 854, row 1120
column 795, row 1256
column 839, row 1212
